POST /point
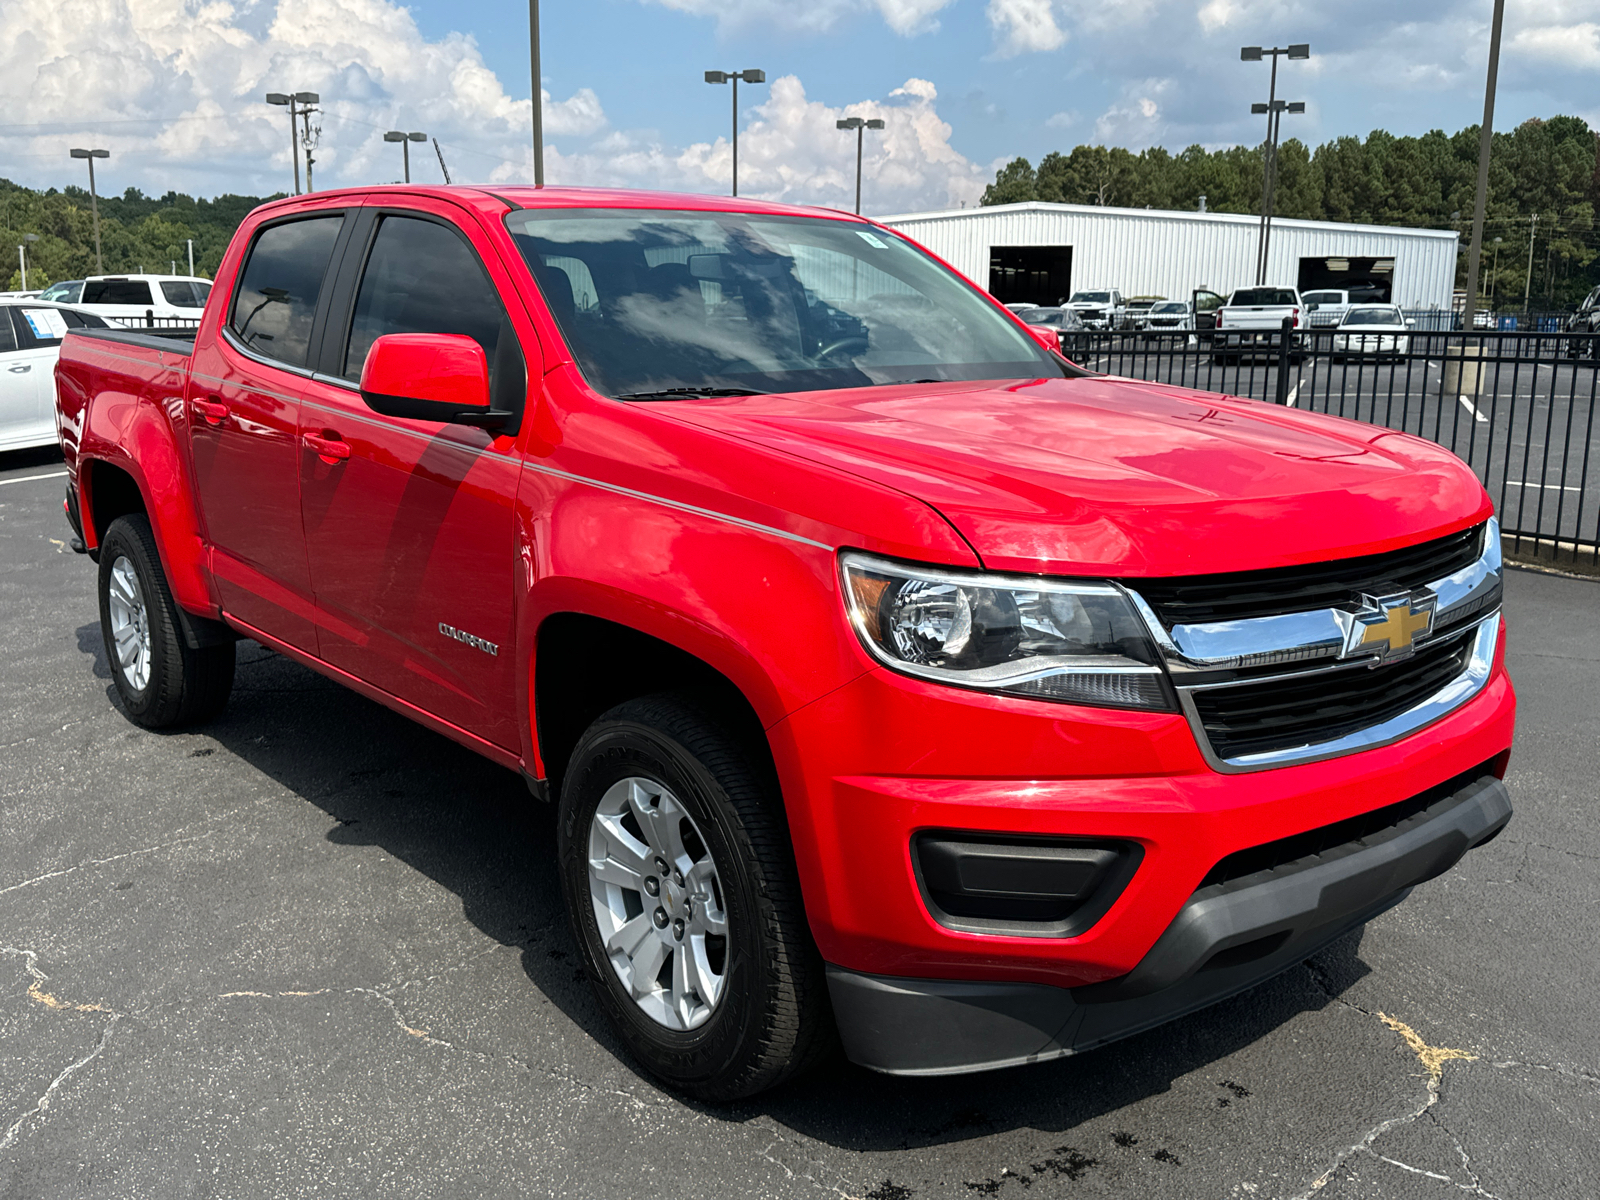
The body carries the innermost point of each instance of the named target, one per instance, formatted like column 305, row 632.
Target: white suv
column 146, row 300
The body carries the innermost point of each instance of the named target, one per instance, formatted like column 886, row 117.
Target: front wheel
column 162, row 682
column 683, row 896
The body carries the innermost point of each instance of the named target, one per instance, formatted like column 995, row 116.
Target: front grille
column 1241, row 595
column 1322, row 706
column 1303, row 850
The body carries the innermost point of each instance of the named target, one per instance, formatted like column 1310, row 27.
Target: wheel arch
column 584, row 665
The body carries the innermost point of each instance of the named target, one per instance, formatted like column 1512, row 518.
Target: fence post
column 1283, row 361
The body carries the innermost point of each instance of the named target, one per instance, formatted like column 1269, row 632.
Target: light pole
column 291, row 99
column 538, row 99
column 405, row 140
column 859, row 125
column 1485, row 139
column 749, row 76
column 22, row 256
column 94, row 204
column 190, row 241
column 1273, row 111
column 1494, row 277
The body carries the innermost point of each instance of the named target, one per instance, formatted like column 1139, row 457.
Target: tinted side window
column 421, row 277
column 180, row 293
column 278, row 289
column 116, row 291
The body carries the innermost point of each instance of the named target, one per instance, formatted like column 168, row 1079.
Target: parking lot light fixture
column 1273, row 110
column 860, row 125
column 281, row 99
column 750, row 75
column 405, row 140
column 94, row 204
column 22, row 255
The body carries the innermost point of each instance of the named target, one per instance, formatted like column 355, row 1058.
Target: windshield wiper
column 681, row 393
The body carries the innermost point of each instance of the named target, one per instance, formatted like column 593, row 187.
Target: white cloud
column 1136, row 120
column 1572, row 46
column 792, row 151
column 905, row 17
column 1062, row 120
column 198, row 69
column 1025, row 26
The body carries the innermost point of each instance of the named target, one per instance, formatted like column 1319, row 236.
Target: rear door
column 244, row 417
column 410, row 535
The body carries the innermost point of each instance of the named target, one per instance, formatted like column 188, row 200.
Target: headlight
column 1078, row 643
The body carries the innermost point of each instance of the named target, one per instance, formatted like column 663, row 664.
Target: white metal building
column 1042, row 252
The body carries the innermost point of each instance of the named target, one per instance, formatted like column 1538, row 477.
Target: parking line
column 1543, row 487
column 1476, row 415
column 31, row 478
column 1294, row 395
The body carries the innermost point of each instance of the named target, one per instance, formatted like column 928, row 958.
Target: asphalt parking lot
column 312, row 950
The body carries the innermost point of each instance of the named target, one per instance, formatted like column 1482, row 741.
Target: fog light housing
column 1018, row 886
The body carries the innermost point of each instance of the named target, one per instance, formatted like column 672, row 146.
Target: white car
column 1375, row 330
column 1169, row 316
column 161, row 301
column 30, row 341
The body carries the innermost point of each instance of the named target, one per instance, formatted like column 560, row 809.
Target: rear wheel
column 161, row 681
column 682, row 892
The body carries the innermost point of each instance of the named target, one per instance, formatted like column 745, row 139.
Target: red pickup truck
column 893, row 676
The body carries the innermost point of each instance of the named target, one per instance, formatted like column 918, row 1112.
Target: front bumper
column 1229, row 936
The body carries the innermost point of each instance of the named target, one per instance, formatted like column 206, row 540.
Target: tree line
column 137, row 232
column 1544, row 169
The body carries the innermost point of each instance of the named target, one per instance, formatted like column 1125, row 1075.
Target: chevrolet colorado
column 891, row 675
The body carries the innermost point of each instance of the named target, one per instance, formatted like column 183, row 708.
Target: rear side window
column 278, row 289
column 182, row 293
column 8, row 337
column 421, row 277
column 116, row 291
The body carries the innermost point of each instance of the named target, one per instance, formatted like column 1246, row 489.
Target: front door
column 408, row 523
column 244, row 414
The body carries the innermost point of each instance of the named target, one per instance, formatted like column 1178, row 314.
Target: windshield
column 1373, row 316
column 1171, row 306
column 1090, row 298
column 1264, row 295
column 659, row 302
column 1322, row 297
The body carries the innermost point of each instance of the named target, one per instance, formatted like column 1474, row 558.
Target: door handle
column 212, row 410
column 21, row 368
column 327, row 446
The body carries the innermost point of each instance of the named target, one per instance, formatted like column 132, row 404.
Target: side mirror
column 1048, row 339
column 430, row 377
column 1312, row 307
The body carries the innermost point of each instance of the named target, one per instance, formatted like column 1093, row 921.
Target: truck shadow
column 474, row 829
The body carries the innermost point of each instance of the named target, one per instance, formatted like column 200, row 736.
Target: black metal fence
column 1518, row 407
column 150, row 321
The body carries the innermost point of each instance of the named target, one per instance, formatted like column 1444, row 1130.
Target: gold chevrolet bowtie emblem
column 1390, row 625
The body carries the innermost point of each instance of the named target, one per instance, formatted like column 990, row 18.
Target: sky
column 174, row 88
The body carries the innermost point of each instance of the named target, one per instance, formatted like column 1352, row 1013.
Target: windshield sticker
column 46, row 323
column 872, row 240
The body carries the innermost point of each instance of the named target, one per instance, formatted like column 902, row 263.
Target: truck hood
column 1102, row 475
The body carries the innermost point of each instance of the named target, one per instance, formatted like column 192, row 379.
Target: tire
column 767, row 1015
column 162, row 682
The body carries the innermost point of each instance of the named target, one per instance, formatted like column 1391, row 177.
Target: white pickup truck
column 1251, row 322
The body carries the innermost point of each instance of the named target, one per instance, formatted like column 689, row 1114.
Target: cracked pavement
column 312, row 950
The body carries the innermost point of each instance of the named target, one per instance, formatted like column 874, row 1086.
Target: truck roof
column 526, row 196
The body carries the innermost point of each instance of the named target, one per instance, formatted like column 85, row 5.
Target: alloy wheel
column 130, row 624
column 658, row 903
